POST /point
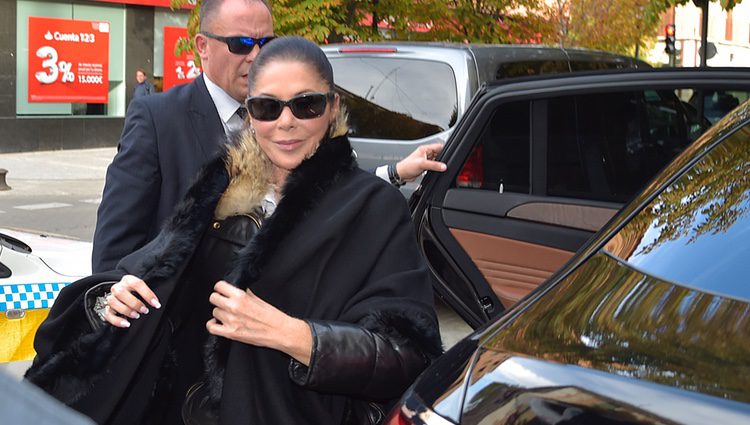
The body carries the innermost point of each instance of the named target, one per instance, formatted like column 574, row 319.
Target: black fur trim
column 407, row 325
column 180, row 236
column 74, row 368
column 72, row 372
column 215, row 353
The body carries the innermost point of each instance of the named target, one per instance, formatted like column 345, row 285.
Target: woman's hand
column 122, row 302
column 242, row 316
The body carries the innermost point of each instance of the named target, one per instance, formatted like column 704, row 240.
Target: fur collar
column 304, row 185
column 250, row 170
column 236, row 184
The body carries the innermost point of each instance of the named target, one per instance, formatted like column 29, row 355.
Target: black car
column 648, row 324
column 537, row 166
column 404, row 94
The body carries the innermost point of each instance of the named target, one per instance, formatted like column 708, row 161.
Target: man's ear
column 201, row 44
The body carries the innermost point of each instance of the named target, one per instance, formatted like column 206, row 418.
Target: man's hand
column 419, row 161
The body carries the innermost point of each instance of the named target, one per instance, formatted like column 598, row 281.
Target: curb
column 3, row 184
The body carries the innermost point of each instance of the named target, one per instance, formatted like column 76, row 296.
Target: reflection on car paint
column 605, row 306
column 519, row 390
column 682, row 235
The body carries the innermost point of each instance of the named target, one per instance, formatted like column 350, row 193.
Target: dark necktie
column 241, row 112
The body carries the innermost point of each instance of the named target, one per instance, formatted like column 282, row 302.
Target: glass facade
column 112, row 13
column 164, row 18
column 79, row 114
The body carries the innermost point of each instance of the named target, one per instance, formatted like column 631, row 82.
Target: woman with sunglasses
column 288, row 288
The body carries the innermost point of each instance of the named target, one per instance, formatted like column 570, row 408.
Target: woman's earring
column 252, row 130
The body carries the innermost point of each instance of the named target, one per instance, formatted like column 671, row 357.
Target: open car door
column 536, row 167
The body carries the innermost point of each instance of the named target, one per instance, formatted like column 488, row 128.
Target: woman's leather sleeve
column 350, row 359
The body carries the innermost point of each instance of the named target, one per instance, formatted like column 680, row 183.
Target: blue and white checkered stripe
column 29, row 296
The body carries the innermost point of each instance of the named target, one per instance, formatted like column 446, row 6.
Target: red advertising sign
column 159, row 3
column 177, row 69
column 68, row 60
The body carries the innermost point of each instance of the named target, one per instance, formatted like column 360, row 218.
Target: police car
column 33, row 269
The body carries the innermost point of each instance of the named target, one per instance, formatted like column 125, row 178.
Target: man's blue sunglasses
column 240, row 45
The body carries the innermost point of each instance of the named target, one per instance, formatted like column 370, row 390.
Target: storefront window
column 165, row 18
column 114, row 16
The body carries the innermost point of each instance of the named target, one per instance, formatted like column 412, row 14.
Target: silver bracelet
column 100, row 305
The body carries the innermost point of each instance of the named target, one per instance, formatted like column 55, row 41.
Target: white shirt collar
column 269, row 202
column 226, row 105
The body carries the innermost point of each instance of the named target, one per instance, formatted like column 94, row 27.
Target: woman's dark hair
column 292, row 49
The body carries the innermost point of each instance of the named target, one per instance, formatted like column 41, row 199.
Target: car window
column 598, row 65
column 606, row 146
column 716, row 103
column 539, row 67
column 500, row 162
column 600, row 146
column 695, row 232
column 396, row 98
column 527, row 68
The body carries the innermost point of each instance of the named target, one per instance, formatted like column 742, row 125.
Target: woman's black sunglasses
column 305, row 106
column 240, row 45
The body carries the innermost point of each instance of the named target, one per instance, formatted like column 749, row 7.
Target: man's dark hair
column 209, row 9
column 293, row 49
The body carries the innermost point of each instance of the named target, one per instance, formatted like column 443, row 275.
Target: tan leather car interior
column 512, row 268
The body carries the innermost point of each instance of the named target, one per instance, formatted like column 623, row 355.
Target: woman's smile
column 288, row 145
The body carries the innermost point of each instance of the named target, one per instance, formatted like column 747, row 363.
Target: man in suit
column 167, row 137
column 143, row 86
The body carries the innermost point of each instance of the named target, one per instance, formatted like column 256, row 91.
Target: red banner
column 68, row 60
column 159, row 3
column 177, row 69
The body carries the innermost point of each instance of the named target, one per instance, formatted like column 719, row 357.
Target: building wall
column 21, row 133
column 732, row 51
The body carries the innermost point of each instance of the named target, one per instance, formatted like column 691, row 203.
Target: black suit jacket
column 166, row 139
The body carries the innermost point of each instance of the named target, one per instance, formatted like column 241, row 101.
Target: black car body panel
column 649, row 323
column 525, row 390
column 490, row 242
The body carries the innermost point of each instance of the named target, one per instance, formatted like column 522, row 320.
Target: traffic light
column 669, row 39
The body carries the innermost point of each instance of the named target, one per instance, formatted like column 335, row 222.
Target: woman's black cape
column 340, row 246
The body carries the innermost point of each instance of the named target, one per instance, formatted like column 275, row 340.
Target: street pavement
column 58, row 192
